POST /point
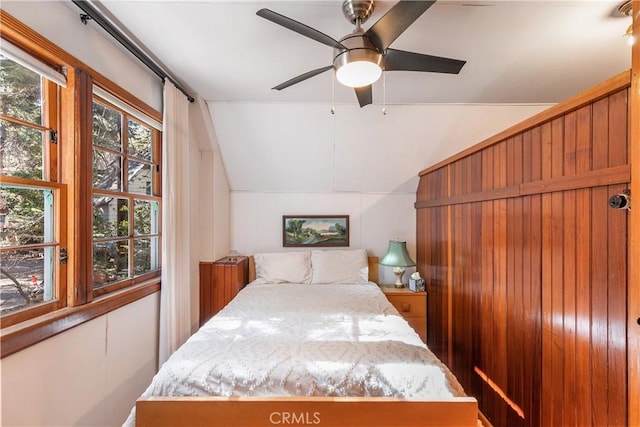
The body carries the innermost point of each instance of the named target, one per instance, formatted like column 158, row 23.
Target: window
column 126, row 208
column 80, row 192
column 30, row 231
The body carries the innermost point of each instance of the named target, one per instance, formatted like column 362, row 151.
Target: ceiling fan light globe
column 358, row 73
column 360, row 66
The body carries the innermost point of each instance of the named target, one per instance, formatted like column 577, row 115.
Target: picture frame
column 315, row 230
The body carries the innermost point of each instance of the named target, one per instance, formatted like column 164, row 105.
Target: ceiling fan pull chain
column 384, row 93
column 333, row 93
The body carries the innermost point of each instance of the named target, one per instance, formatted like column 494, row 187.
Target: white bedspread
column 305, row 340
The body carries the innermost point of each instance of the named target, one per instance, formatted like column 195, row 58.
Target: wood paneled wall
column 633, row 302
column 526, row 264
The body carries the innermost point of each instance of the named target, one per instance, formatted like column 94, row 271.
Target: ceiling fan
column 360, row 57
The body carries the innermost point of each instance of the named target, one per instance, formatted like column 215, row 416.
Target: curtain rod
column 95, row 15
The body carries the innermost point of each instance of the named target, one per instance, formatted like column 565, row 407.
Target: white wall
column 210, row 232
column 303, row 148
column 92, row 374
column 213, row 200
column 374, row 219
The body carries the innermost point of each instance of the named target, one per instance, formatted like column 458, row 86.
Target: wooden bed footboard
column 308, row 411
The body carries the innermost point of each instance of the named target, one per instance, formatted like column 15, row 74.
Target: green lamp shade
column 397, row 255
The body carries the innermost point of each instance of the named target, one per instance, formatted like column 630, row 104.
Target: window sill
column 18, row 337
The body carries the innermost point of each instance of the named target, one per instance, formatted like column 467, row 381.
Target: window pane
column 145, row 217
column 21, row 150
column 140, row 178
column 139, row 140
column 110, row 262
column 107, row 127
column 145, row 255
column 110, row 217
column 26, row 216
column 20, row 91
column 107, row 170
column 26, row 278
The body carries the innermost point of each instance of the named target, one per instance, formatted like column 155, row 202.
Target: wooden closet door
column 584, row 272
column 527, row 266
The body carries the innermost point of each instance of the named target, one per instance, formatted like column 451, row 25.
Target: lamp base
column 398, row 271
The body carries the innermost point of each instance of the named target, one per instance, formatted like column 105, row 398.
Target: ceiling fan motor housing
column 359, row 48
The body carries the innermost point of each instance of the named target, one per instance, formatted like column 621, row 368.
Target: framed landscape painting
column 315, row 230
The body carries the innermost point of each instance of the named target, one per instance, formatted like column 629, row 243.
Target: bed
column 310, row 341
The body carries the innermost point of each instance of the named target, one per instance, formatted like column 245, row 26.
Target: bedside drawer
column 409, row 305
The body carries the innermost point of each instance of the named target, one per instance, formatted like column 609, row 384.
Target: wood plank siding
column 526, row 264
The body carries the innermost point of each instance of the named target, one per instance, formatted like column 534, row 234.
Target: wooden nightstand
column 220, row 282
column 411, row 305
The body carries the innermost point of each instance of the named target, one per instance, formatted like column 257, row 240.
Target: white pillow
column 340, row 266
column 283, row 267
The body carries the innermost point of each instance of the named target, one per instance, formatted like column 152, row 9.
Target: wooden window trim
column 76, row 130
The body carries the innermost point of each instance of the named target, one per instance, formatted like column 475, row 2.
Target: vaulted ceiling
column 518, row 52
column 534, row 51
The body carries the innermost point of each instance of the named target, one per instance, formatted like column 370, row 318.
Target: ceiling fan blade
column 364, row 94
column 299, row 28
column 400, row 60
column 302, row 77
column 395, row 21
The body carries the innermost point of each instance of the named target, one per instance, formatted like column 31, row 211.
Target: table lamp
column 398, row 258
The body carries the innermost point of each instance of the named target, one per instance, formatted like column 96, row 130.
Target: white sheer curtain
column 175, row 322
